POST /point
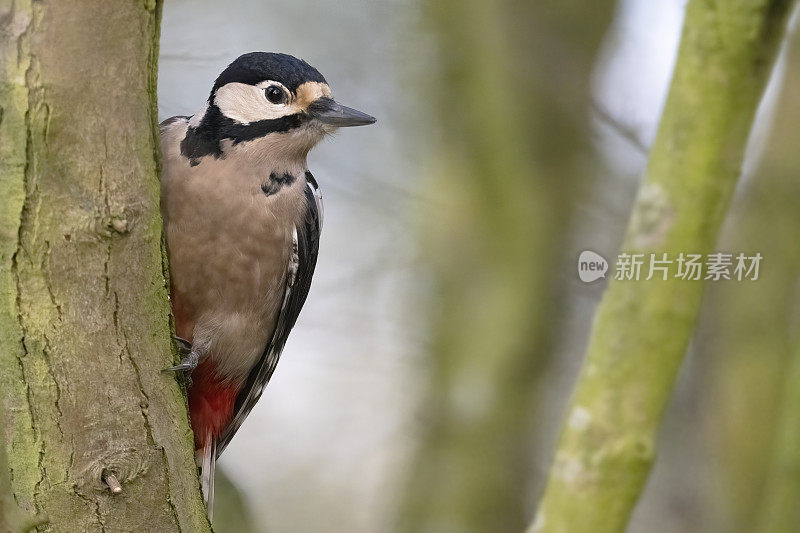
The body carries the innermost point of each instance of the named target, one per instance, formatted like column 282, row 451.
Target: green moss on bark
column 84, row 314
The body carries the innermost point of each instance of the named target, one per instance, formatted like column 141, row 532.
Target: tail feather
column 207, row 458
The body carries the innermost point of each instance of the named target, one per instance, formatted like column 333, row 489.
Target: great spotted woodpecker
column 242, row 215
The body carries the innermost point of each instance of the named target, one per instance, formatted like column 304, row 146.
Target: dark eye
column 275, row 94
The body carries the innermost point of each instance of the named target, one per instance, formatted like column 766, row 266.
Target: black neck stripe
column 214, row 127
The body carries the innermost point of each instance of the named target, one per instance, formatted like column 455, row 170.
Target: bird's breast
column 229, row 235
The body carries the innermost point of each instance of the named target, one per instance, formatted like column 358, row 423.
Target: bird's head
column 273, row 97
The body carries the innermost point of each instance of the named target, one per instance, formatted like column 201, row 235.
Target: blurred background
column 426, row 380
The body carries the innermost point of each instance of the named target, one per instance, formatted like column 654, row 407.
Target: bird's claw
column 188, row 362
column 184, row 346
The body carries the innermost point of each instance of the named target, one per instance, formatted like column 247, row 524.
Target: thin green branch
column 642, row 328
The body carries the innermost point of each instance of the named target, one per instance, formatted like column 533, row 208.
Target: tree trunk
column 642, row 328
column 12, row 519
column 84, row 315
column 762, row 353
column 513, row 151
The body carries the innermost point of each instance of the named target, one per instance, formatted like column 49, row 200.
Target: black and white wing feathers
column 298, row 282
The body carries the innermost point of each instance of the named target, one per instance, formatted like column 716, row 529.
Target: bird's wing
column 172, row 120
column 298, row 281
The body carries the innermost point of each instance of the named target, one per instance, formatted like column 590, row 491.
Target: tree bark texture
column 642, row 328
column 84, row 315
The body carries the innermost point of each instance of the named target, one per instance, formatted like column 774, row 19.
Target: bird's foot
column 184, row 346
column 188, row 362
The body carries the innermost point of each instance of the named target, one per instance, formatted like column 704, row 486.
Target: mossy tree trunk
column 84, row 315
column 12, row 519
column 642, row 328
column 513, row 99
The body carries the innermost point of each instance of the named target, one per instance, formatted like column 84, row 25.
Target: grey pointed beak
column 328, row 111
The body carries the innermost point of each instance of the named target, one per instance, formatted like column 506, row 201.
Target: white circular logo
column 591, row 266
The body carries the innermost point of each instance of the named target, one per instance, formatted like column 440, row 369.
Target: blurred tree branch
column 231, row 513
column 512, row 95
column 622, row 129
column 761, row 346
column 642, row 328
column 779, row 511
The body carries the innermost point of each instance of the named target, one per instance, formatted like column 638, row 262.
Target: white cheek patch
column 248, row 103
